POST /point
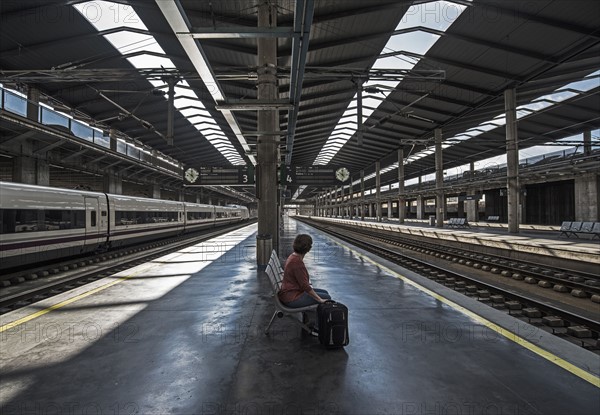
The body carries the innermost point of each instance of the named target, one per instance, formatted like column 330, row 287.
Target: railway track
column 38, row 283
column 574, row 325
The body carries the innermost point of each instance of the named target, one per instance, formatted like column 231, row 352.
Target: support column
column 440, row 205
column 28, row 168
column 401, row 190
column 587, row 143
column 420, row 207
column 512, row 159
column 460, row 209
column 267, row 144
column 587, row 198
column 113, row 184
column 351, row 198
column 112, row 136
column 390, row 214
column 362, row 195
column 156, row 191
column 377, row 189
column 33, row 100
column 472, row 207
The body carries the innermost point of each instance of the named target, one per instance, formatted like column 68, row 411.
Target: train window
column 35, row 220
column 199, row 215
column 123, row 217
column 93, row 219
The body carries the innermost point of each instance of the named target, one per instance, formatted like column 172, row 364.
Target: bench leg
column 278, row 313
column 271, row 322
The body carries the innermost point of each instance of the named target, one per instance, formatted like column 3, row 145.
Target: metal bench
column 275, row 274
column 580, row 228
column 458, row 223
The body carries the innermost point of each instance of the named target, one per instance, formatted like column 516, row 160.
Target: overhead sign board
column 469, row 197
column 215, row 176
column 245, row 176
column 315, row 175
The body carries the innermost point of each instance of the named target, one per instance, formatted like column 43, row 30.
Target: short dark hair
column 302, row 243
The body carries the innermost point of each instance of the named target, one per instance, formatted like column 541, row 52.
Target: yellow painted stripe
column 64, row 303
column 588, row 377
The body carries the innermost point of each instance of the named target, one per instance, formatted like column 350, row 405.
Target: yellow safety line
column 588, row 377
column 64, row 303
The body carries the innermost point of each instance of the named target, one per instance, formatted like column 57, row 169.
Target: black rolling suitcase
column 333, row 324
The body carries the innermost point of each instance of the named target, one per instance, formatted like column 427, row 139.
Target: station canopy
column 357, row 80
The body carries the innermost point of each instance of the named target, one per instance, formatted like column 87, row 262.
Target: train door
column 92, row 222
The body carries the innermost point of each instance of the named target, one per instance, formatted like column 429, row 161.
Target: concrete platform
column 183, row 334
column 531, row 241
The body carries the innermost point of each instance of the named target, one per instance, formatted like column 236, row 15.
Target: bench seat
column 580, row 228
column 275, row 273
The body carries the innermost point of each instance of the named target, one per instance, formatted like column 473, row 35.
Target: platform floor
column 183, row 334
column 537, row 240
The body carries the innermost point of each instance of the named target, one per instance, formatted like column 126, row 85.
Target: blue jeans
column 305, row 300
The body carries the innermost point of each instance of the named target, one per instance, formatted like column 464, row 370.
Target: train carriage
column 41, row 223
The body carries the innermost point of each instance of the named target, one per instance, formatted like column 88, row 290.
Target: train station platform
column 531, row 241
column 183, row 334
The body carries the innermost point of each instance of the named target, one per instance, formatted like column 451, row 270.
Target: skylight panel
column 150, row 61
column 130, row 42
column 437, row 15
column 105, row 15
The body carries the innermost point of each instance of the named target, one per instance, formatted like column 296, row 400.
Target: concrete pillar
column 112, row 183
column 587, row 198
column 370, row 210
column 420, row 207
column 461, row 208
column 28, row 168
column 156, row 193
column 24, row 167
column 587, row 143
column 267, row 144
column 362, row 195
column 401, row 190
column 33, row 101
column 351, row 198
column 378, row 189
column 440, row 205
column 512, row 159
column 472, row 210
column 112, row 136
column 390, row 214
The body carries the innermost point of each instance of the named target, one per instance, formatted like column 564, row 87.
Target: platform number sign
column 219, row 176
column 287, row 175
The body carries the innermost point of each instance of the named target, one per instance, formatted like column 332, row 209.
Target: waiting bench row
column 458, row 223
column 275, row 273
column 580, row 228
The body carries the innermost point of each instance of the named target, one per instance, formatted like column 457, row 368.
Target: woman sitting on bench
column 296, row 290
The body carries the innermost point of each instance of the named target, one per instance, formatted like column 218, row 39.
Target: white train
column 43, row 223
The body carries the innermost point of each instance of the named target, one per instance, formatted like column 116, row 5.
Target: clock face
column 191, row 175
column 342, row 174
